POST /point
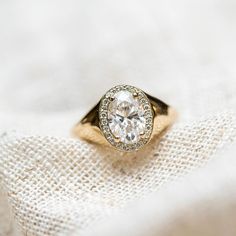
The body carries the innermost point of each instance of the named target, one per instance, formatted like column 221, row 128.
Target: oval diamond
column 126, row 117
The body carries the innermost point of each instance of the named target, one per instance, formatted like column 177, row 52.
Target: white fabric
column 58, row 58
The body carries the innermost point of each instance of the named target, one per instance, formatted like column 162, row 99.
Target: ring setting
column 126, row 118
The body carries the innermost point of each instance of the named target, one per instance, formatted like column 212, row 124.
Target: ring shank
column 88, row 128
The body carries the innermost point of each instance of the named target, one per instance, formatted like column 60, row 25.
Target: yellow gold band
column 88, row 128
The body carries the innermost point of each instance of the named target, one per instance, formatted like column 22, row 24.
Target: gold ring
column 125, row 118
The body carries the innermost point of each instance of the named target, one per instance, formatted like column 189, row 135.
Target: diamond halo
column 126, row 117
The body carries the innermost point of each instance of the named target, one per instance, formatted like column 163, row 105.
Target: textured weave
column 56, row 185
column 202, row 204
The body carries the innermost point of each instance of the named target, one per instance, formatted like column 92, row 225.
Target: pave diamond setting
column 126, row 117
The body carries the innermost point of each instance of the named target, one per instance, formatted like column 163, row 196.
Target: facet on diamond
column 126, row 117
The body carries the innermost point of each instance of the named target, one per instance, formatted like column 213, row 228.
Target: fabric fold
column 58, row 186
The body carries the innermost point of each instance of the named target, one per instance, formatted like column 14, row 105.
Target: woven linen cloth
column 58, row 58
column 58, row 186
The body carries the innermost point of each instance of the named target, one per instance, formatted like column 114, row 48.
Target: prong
column 111, row 98
column 117, row 139
column 135, row 94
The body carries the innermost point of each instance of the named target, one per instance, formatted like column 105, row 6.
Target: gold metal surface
column 88, row 128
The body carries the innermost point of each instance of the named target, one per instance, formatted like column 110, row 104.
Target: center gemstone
column 126, row 117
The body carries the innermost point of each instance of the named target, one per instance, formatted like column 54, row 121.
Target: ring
column 125, row 118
